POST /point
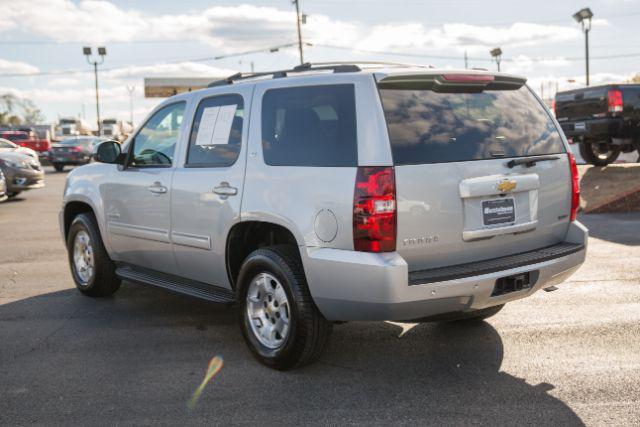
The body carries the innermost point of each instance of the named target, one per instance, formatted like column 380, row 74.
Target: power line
column 457, row 58
column 292, row 44
column 178, row 61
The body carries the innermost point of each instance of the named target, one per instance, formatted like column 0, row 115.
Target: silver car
column 333, row 193
column 21, row 171
column 3, row 187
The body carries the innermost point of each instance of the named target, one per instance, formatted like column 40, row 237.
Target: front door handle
column 224, row 190
column 157, row 188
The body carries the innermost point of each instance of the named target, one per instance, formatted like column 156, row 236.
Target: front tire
column 598, row 154
column 280, row 323
column 92, row 270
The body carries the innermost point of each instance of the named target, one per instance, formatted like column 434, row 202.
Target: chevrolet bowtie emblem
column 506, row 185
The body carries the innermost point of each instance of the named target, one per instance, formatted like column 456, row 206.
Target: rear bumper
column 595, row 129
column 349, row 285
column 69, row 160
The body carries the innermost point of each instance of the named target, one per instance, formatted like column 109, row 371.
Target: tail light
column 553, row 108
column 76, row 149
column 374, row 210
column 575, row 187
column 615, row 100
column 468, row 78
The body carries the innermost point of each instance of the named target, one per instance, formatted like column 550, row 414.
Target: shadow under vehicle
column 137, row 357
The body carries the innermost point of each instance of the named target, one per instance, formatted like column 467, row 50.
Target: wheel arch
column 246, row 236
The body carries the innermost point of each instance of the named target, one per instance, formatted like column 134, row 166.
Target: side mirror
column 108, row 152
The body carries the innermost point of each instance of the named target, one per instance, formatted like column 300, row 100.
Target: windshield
column 431, row 127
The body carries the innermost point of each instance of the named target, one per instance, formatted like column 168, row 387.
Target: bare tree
column 15, row 111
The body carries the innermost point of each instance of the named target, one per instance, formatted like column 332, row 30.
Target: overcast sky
column 151, row 38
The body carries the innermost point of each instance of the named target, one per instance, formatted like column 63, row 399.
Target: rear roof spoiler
column 452, row 82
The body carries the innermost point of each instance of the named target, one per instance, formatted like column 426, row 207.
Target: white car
column 6, row 145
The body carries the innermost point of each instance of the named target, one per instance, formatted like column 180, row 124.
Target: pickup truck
column 24, row 139
column 604, row 120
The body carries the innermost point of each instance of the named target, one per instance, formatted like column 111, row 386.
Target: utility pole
column 296, row 2
column 466, row 62
column 131, row 89
column 102, row 52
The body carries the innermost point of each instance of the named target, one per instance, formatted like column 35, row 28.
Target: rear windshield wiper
column 530, row 161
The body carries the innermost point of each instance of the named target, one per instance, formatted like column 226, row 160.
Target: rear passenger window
column 310, row 126
column 216, row 134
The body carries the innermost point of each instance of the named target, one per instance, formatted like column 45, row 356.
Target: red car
column 24, row 139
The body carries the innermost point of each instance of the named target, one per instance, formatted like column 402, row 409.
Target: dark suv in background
column 72, row 151
column 604, row 120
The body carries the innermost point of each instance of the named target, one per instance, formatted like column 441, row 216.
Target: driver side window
column 155, row 144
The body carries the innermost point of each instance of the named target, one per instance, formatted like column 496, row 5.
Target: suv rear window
column 434, row 127
column 310, row 126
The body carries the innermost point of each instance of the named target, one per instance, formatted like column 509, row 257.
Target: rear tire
column 593, row 153
column 279, row 336
column 14, row 194
column 58, row 167
column 91, row 268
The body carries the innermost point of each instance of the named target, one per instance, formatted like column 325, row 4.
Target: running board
column 176, row 284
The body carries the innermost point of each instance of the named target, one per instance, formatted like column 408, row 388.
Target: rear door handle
column 157, row 188
column 224, row 190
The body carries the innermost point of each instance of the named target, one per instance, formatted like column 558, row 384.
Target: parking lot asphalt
column 567, row 357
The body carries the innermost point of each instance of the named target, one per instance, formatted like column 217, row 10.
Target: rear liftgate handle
column 224, row 190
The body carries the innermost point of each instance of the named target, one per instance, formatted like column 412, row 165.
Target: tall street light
column 583, row 16
column 496, row 53
column 102, row 52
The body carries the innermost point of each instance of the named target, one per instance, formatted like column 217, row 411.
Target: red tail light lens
column 575, row 187
column 77, row 149
column 615, row 100
column 374, row 210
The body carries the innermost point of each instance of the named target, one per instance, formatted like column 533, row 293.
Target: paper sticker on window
column 223, row 124
column 207, row 125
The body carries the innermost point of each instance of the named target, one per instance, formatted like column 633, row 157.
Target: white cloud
column 245, row 27
column 523, row 64
column 182, row 69
column 464, row 36
column 16, row 67
column 227, row 28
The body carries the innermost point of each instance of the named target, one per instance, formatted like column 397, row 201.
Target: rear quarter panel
column 293, row 196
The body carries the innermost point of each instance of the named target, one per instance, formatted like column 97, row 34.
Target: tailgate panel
column 440, row 219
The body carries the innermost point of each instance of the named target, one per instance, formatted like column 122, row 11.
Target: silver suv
column 332, row 193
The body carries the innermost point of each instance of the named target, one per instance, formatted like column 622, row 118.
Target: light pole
column 296, row 2
column 583, row 16
column 496, row 53
column 102, row 52
column 131, row 89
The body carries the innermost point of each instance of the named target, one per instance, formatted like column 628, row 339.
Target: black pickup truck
column 604, row 120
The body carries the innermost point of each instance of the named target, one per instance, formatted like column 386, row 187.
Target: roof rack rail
column 307, row 66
